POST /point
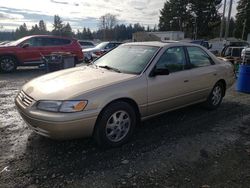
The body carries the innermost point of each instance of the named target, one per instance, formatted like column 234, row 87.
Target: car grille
column 25, row 99
column 247, row 53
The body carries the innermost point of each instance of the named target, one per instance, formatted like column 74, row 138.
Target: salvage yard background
column 191, row 147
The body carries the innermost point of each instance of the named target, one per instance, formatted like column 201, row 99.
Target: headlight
column 62, row 106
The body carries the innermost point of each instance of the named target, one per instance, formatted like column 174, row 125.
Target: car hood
column 90, row 50
column 71, row 83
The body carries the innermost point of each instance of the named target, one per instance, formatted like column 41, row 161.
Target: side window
column 228, row 52
column 34, row 42
column 110, row 45
column 87, row 44
column 116, row 44
column 55, row 42
column 236, row 52
column 63, row 41
column 198, row 58
column 173, row 59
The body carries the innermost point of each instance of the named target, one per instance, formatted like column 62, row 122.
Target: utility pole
column 244, row 28
column 223, row 20
column 245, row 22
column 228, row 18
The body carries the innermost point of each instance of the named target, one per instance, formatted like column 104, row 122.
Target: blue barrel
column 243, row 83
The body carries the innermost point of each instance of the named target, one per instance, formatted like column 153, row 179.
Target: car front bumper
column 59, row 126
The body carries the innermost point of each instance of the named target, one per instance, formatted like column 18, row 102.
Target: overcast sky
column 79, row 13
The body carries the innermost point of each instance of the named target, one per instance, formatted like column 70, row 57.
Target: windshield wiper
column 110, row 68
column 92, row 63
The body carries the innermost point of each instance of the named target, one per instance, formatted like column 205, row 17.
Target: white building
column 158, row 36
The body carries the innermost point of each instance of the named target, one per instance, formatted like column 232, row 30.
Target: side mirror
column 210, row 46
column 159, row 72
column 25, row 45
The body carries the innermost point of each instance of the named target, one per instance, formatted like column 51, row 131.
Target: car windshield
column 101, row 45
column 128, row 59
column 17, row 42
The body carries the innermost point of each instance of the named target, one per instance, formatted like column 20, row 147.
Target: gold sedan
column 134, row 82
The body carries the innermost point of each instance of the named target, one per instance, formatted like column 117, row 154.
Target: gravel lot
column 191, row 147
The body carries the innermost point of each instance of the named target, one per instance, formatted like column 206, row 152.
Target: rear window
column 237, row 52
column 86, row 43
column 55, row 42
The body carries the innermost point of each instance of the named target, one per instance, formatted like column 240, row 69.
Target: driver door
column 166, row 92
column 31, row 54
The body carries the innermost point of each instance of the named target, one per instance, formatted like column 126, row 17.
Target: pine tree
column 42, row 27
column 183, row 15
column 207, row 13
column 22, row 31
column 58, row 26
column 35, row 30
column 173, row 15
column 243, row 18
column 67, row 30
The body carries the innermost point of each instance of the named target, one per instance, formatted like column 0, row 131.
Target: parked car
column 133, row 82
column 86, row 44
column 232, row 53
column 28, row 50
column 203, row 43
column 102, row 48
column 4, row 43
column 245, row 55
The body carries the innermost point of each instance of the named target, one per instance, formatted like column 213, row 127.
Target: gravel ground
column 190, row 147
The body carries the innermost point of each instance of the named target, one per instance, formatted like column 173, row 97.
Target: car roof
column 85, row 41
column 50, row 36
column 235, row 47
column 161, row 44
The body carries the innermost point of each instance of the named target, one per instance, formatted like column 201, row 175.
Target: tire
column 215, row 97
column 8, row 64
column 115, row 125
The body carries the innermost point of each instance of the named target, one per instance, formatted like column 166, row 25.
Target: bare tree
column 107, row 23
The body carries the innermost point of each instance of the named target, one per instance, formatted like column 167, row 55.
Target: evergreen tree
column 35, row 30
column 67, row 30
column 185, row 15
column 89, row 34
column 42, row 27
column 173, row 15
column 208, row 17
column 57, row 26
column 22, row 31
column 243, row 18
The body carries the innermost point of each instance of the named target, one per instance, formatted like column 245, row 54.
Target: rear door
column 203, row 72
column 56, row 45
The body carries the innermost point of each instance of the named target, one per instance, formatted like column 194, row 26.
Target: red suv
column 27, row 51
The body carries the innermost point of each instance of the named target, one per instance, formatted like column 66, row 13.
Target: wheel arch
column 224, row 84
column 123, row 99
column 11, row 55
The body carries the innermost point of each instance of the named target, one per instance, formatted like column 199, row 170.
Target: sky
column 80, row 13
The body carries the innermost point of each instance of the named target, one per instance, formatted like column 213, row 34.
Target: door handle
column 185, row 81
column 215, row 74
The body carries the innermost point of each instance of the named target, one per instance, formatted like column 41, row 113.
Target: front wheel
column 215, row 98
column 8, row 64
column 115, row 125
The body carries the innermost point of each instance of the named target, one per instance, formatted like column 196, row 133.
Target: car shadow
column 80, row 156
column 23, row 73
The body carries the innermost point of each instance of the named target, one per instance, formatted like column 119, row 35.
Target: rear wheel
column 215, row 98
column 115, row 125
column 8, row 64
